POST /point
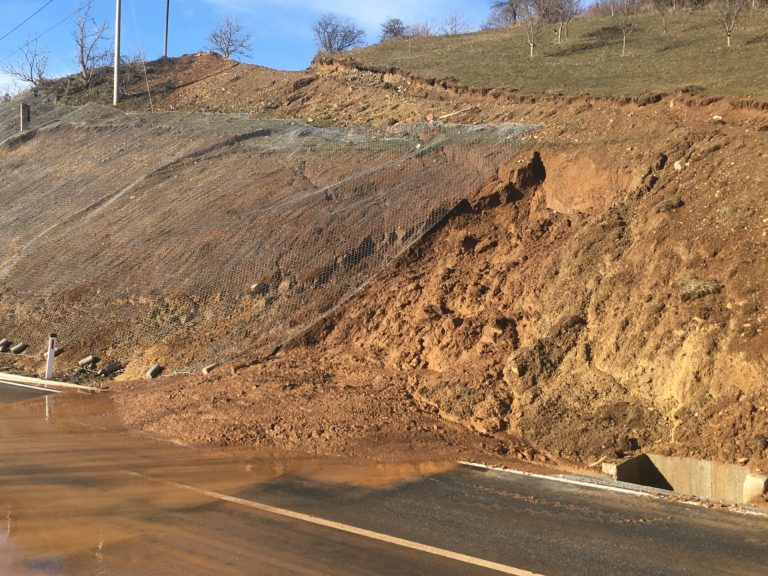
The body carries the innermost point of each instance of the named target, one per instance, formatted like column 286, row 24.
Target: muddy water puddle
column 81, row 495
column 10, row 393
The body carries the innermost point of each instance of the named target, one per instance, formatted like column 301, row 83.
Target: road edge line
column 648, row 493
column 370, row 534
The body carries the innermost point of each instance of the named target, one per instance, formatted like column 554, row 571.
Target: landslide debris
column 614, row 301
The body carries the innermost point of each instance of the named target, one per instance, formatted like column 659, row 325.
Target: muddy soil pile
column 603, row 293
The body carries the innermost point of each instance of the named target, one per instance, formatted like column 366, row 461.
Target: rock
column 669, row 204
column 88, row 361
column 154, row 372
column 678, row 166
column 110, row 369
column 5, row 345
column 485, row 245
column 56, row 353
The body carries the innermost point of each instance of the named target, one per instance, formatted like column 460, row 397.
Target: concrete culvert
column 88, row 361
column 5, row 345
column 691, row 476
column 19, row 348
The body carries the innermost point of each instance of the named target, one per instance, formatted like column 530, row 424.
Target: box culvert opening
column 690, row 476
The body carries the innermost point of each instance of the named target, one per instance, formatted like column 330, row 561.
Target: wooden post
column 26, row 116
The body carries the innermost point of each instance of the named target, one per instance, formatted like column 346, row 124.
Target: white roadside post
column 51, row 357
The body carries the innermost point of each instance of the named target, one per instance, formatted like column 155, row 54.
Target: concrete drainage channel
column 690, row 476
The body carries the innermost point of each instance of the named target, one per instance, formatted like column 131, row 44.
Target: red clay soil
column 604, row 293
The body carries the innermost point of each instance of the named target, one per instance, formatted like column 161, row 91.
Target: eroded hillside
column 602, row 291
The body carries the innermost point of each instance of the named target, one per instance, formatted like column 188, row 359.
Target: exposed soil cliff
column 603, row 292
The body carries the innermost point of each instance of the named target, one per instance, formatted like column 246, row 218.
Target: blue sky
column 281, row 29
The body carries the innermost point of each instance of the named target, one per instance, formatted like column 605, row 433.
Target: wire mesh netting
column 204, row 237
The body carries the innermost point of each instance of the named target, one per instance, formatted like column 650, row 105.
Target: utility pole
column 116, row 83
column 167, row 14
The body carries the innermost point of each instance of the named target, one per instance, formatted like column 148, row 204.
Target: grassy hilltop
column 693, row 54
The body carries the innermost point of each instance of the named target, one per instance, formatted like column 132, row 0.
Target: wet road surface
column 81, row 497
column 13, row 393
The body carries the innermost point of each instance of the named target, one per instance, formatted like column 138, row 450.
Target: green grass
column 693, row 54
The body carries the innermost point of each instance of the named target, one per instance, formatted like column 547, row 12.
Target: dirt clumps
column 601, row 293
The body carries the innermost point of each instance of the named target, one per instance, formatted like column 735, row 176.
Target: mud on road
column 602, row 292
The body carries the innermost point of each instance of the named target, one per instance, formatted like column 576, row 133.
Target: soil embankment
column 602, row 292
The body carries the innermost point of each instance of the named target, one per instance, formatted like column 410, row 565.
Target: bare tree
column 559, row 13
column 90, row 39
column 333, row 34
column 508, row 10
column 624, row 13
column 420, row 29
column 454, row 24
column 728, row 11
column 498, row 19
column 663, row 7
column 531, row 15
column 229, row 39
column 393, row 28
column 31, row 65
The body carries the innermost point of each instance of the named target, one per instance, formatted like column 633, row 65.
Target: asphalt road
column 83, row 499
column 12, row 393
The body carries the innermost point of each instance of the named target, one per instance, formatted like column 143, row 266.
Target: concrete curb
column 610, row 485
column 45, row 384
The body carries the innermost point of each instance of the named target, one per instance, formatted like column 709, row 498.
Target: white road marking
column 562, row 479
column 37, row 388
column 650, row 493
column 504, row 569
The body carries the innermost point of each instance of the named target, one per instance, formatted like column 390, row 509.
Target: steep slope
column 607, row 298
column 602, row 291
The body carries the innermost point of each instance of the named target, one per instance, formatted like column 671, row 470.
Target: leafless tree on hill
column 90, row 39
column 498, row 19
column 393, row 28
column 532, row 17
column 332, row 34
column 728, row 11
column 560, row 13
column 420, row 29
column 229, row 39
column 454, row 24
column 509, row 11
column 663, row 7
column 625, row 13
column 31, row 65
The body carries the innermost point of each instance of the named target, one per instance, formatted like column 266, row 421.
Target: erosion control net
column 206, row 237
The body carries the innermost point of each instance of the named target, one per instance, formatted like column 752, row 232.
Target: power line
column 59, row 23
column 27, row 19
